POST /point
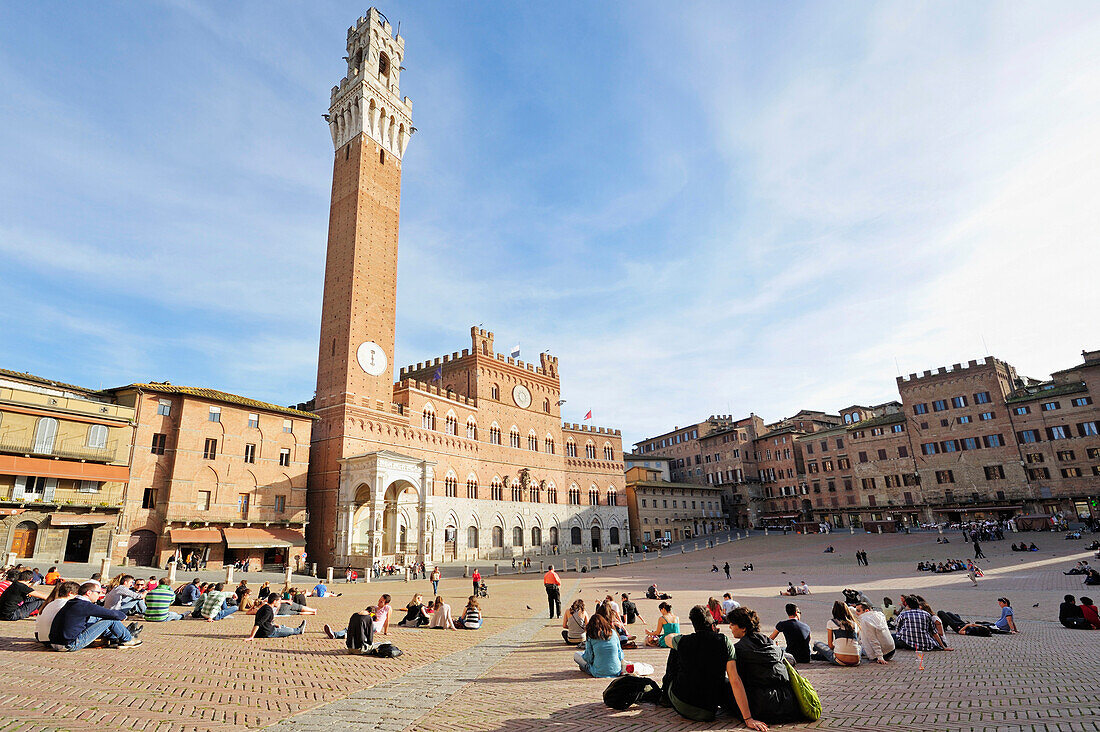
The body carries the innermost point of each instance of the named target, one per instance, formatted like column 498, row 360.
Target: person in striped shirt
column 214, row 605
column 471, row 617
column 158, row 601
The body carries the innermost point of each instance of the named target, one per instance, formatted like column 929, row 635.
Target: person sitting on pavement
column 158, row 601
column 187, row 594
column 889, row 611
column 21, row 599
column 52, row 577
column 264, row 591
column 381, row 615
column 728, row 603
column 82, row 621
column 471, row 616
column 441, row 615
column 1088, row 611
column 667, row 624
column 602, row 656
column 652, row 593
column 803, row 588
column 322, row 590
column 215, row 604
column 715, row 609
column 915, row 629
column 1006, row 623
column 761, row 670
column 1092, row 577
column 414, row 613
column 937, row 623
column 795, row 633
column 575, row 623
column 265, row 625
column 62, row 593
column 790, row 591
column 842, row 634
column 1081, row 567
column 123, row 597
column 1070, row 615
column 875, row 640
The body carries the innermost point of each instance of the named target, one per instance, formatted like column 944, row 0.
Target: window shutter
column 51, row 488
column 20, row 488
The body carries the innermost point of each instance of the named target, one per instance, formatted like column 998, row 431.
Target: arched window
column 517, row 536
column 44, row 434
column 533, row 442
column 451, row 424
column 517, row 492
column 383, row 64
column 608, row 452
column 534, row 493
column 471, row 429
column 551, row 492
column 428, row 419
column 471, row 537
column 574, row 495
column 536, row 536
column 548, row 443
column 546, row 405
column 494, row 392
column 97, row 436
column 590, row 451
column 471, row 487
column 593, row 496
column 553, row 536
column 496, row 490
column 450, row 486
column 612, row 497
column 570, row 448
column 613, row 535
column 575, row 536
column 498, row 537
column 513, row 438
column 494, row 435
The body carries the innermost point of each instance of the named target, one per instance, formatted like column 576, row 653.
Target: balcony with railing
column 65, row 450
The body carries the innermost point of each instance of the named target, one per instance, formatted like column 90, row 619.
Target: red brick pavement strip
column 194, row 675
column 1043, row 679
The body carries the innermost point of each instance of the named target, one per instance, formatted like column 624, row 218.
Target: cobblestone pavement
column 515, row 674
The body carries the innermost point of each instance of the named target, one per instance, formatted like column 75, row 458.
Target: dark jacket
column 72, row 619
column 764, row 675
column 360, row 632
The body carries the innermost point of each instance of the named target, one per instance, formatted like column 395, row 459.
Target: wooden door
column 22, row 543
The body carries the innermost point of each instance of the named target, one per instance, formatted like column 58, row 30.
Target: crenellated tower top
column 368, row 100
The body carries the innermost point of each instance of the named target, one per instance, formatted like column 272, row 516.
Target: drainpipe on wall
column 120, row 524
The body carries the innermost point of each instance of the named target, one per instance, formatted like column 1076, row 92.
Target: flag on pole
column 515, row 351
column 589, row 415
column 438, row 373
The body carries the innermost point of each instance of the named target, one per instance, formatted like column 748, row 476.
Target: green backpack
column 804, row 693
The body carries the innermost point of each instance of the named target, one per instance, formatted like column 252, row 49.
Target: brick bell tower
column 370, row 124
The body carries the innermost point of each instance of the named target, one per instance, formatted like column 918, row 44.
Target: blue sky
column 700, row 207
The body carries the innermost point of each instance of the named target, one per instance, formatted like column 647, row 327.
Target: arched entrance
column 597, row 546
column 24, row 539
column 143, row 544
column 553, row 536
column 400, row 518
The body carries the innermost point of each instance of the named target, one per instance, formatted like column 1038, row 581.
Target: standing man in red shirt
column 477, row 581
column 552, row 582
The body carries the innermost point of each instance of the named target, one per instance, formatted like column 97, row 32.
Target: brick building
column 64, row 457
column 660, row 509
column 465, row 456
column 214, row 474
column 682, row 445
column 730, row 463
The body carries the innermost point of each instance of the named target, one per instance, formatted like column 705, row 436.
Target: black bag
column 386, row 650
column 626, row 690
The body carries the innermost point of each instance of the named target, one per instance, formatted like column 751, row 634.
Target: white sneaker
column 132, row 643
column 641, row 669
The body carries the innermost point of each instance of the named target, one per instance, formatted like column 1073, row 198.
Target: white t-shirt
column 380, row 617
column 730, row 604
column 45, row 618
column 614, row 606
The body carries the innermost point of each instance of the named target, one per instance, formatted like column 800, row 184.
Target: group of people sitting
column 802, row 589
column 1022, row 547
column 1092, row 577
column 1083, row 616
column 437, row 614
column 951, row 565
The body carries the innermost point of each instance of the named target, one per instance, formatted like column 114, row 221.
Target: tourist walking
column 978, row 553
column 726, row 567
column 436, row 576
column 552, row 582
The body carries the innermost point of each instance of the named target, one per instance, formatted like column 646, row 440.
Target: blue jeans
column 435, row 587
column 109, row 629
column 226, row 611
column 170, row 616
column 133, row 604
column 282, row 631
column 340, row 634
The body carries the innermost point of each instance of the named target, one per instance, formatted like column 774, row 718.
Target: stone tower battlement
column 368, row 100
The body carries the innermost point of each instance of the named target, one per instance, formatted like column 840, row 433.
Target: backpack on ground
column 624, row 691
column 386, row 650
column 808, row 702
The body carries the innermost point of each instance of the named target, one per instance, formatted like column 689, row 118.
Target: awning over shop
column 196, row 536
column 781, row 516
column 274, row 538
column 79, row 519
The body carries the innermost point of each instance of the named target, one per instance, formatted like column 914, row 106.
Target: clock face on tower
column 371, row 357
column 521, row 396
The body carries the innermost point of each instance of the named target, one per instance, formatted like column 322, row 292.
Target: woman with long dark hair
column 842, row 648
